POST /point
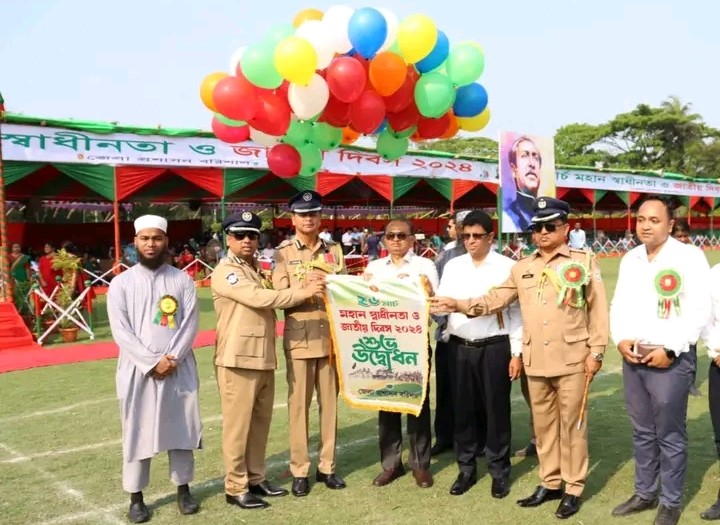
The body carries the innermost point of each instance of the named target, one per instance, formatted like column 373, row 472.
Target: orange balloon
column 387, row 73
column 208, row 86
column 349, row 135
column 453, row 128
column 305, row 15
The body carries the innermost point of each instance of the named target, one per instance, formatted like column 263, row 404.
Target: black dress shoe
column 500, row 488
column 667, row 515
column 633, row 505
column 463, row 483
column 332, row 481
column 540, row 496
column 187, row 504
column 713, row 512
column 247, row 501
column 138, row 512
column 569, row 506
column 438, row 448
column 264, row 488
column 300, row 487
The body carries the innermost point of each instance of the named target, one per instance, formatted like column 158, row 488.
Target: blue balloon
column 367, row 30
column 380, row 128
column 470, row 100
column 437, row 56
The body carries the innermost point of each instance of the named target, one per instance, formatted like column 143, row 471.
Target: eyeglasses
column 396, row 236
column 241, row 236
column 474, row 236
column 549, row 227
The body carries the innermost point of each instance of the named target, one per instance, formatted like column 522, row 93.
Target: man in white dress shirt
column 403, row 263
column 576, row 238
column 711, row 336
column 661, row 304
column 487, row 356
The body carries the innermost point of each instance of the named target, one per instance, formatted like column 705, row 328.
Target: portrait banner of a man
column 527, row 171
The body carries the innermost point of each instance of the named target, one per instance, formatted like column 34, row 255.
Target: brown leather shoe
column 423, row 478
column 388, row 476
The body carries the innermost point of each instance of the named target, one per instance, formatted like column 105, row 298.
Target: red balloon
column 336, row 113
column 433, row 128
column 273, row 115
column 405, row 118
column 284, row 160
column 230, row 134
column 367, row 112
column 236, row 98
column 364, row 62
column 403, row 96
column 346, row 78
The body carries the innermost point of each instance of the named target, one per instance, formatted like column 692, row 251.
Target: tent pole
column 7, row 293
column 116, row 230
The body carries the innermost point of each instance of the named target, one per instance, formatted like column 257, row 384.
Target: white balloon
column 336, row 21
column 258, row 137
column 235, row 60
column 392, row 28
column 308, row 101
column 315, row 32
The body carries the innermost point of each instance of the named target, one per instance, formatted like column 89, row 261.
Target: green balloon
column 279, row 32
column 434, row 95
column 229, row 122
column 391, row 147
column 465, row 64
column 298, row 134
column 402, row 134
column 258, row 65
column 325, row 136
column 311, row 157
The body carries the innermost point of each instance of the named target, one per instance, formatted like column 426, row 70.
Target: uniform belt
column 478, row 343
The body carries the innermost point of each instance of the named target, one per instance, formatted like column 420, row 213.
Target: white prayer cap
column 150, row 221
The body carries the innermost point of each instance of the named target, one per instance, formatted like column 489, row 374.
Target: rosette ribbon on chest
column 668, row 285
column 167, row 309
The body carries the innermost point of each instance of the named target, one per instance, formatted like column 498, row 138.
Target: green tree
column 476, row 146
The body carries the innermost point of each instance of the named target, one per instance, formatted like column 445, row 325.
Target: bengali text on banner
column 380, row 333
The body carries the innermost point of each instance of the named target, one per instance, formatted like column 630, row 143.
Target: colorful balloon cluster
column 329, row 77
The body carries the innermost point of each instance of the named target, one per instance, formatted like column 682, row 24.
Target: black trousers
column 714, row 398
column 482, row 404
column 419, row 435
column 444, row 423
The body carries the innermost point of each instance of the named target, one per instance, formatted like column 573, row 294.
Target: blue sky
column 549, row 63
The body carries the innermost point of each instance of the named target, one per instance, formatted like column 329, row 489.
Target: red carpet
column 14, row 335
column 32, row 357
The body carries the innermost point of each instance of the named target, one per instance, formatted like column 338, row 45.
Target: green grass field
column 60, row 457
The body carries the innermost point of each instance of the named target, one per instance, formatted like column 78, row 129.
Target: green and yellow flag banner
column 380, row 332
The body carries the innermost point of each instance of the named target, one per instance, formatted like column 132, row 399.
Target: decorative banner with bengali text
column 380, row 332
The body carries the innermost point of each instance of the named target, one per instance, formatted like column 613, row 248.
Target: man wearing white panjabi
column 154, row 316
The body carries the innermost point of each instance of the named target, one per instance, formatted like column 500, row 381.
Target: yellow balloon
column 296, row 60
column 416, row 37
column 208, row 86
column 305, row 15
column 475, row 123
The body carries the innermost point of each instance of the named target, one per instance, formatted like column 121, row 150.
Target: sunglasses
column 474, row 236
column 550, row 228
column 241, row 236
column 397, row 236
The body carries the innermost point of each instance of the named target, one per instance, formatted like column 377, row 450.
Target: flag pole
column 6, row 291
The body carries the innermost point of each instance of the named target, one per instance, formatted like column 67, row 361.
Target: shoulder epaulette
column 284, row 244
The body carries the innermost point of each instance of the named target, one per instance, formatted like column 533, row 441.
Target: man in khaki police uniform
column 565, row 317
column 245, row 359
column 298, row 263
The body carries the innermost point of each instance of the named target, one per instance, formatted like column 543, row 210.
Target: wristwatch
column 597, row 356
column 670, row 353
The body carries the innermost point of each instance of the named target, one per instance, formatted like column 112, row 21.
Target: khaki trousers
column 247, row 398
column 304, row 376
column 562, row 449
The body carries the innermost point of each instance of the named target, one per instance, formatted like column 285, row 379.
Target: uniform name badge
column 167, row 308
column 668, row 285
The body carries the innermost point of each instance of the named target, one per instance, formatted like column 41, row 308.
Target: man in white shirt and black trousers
column 486, row 353
column 661, row 304
column 402, row 263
